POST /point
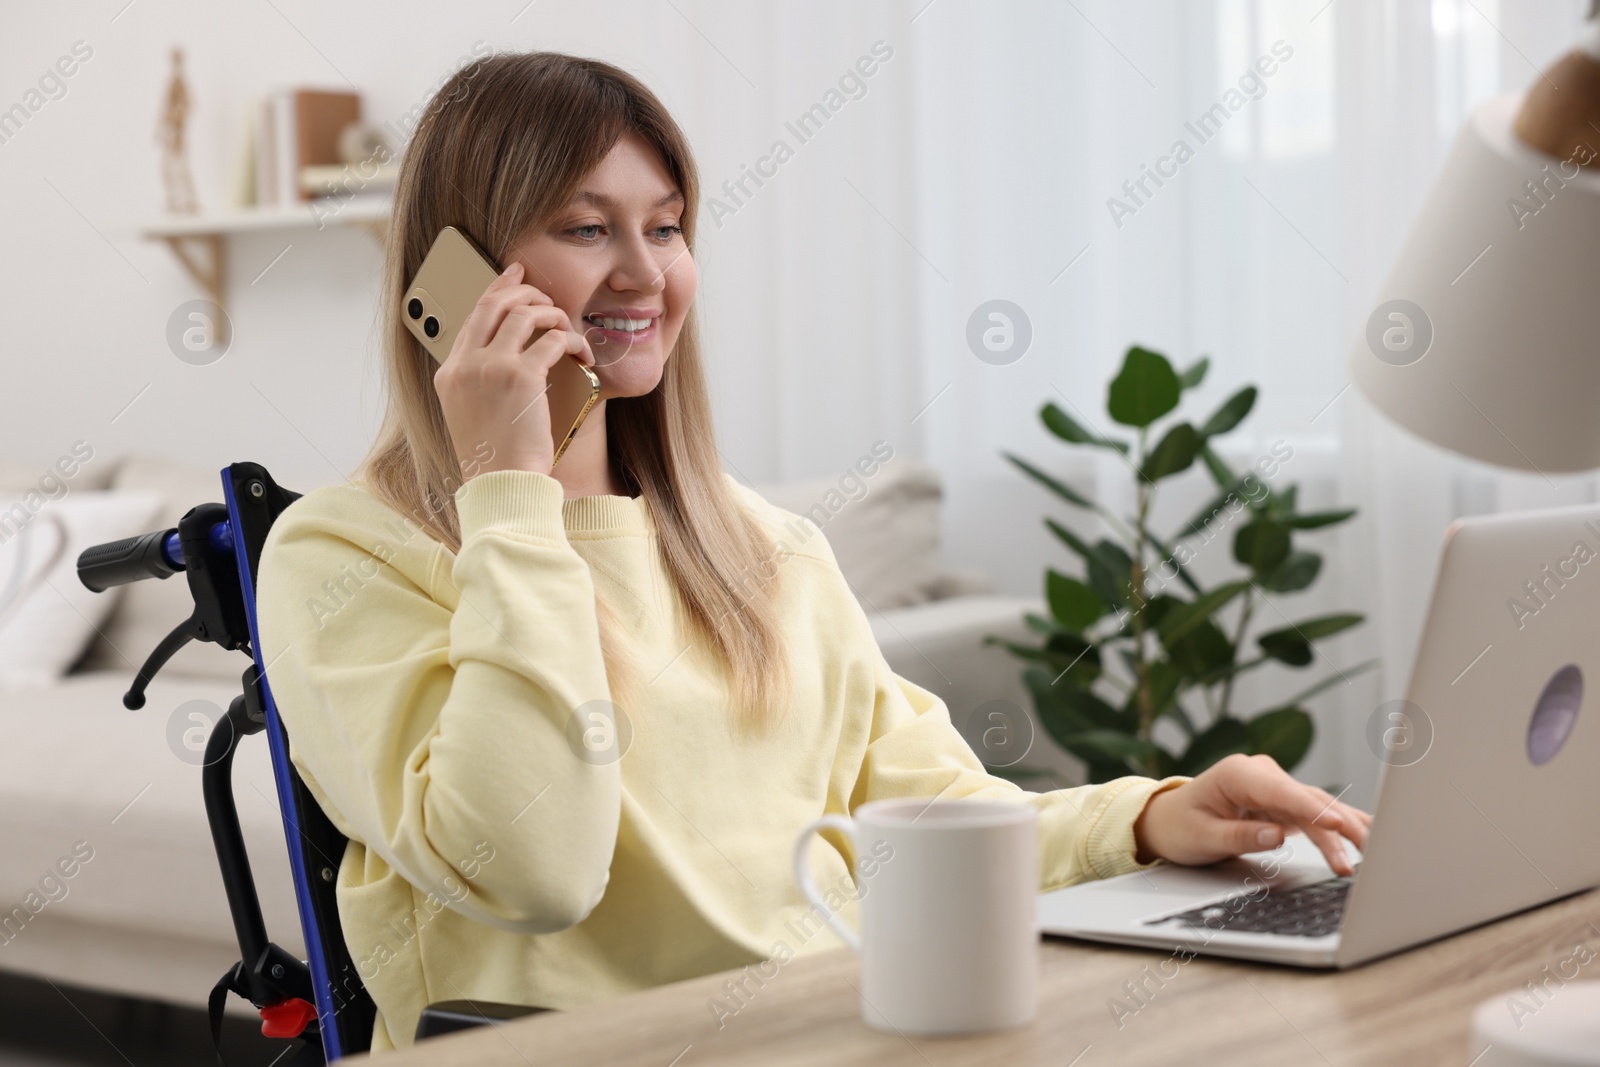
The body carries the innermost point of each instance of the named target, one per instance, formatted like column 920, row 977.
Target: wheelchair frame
column 218, row 546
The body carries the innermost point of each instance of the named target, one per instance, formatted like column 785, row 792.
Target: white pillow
column 47, row 616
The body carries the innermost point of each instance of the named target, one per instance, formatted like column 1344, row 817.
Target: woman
column 571, row 718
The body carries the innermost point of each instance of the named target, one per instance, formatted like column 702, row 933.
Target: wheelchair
column 321, row 1000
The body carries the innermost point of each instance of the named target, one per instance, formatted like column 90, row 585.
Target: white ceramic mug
column 949, row 917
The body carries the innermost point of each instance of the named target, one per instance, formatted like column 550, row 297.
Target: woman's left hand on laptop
column 1245, row 804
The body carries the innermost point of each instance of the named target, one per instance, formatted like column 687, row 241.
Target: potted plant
column 1136, row 639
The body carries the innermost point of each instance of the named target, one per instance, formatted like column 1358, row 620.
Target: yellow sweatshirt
column 439, row 708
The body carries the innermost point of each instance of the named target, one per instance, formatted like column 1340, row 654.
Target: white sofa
column 146, row 915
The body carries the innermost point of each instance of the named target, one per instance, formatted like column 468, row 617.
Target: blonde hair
column 503, row 146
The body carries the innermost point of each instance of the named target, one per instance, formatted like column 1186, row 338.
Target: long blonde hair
column 503, row 146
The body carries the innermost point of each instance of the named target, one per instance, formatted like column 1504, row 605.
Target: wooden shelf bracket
column 203, row 256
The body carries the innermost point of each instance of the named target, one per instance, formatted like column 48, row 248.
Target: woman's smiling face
column 614, row 260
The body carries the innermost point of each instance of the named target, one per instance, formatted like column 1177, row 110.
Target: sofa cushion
column 884, row 531
column 150, row 609
column 48, row 616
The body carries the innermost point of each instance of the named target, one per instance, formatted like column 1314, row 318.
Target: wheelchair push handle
column 157, row 554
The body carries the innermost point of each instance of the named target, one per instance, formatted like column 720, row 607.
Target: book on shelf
column 244, row 195
column 296, row 128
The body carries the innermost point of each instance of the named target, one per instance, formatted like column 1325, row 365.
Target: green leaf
column 1106, row 563
column 1166, row 764
column 1285, row 734
column 1063, row 425
column 1221, row 473
column 1059, row 718
column 1062, row 654
column 1114, row 557
column 1074, row 605
column 1080, row 659
column 1287, row 649
column 1111, row 574
column 1202, row 650
column 1113, row 745
column 1168, row 555
column 1060, row 488
column 1181, row 717
column 1039, row 624
column 1150, row 613
column 1292, row 645
column 1032, row 653
column 1231, row 413
column 1261, row 545
column 1327, row 625
column 1185, row 616
column 1228, row 670
column 1070, row 430
column 1095, row 711
column 1114, row 753
column 1098, row 772
column 1216, row 511
column 1144, row 390
column 1281, row 504
column 1195, row 373
column 1317, row 518
column 1164, row 682
column 1066, row 709
column 1071, row 540
column 1222, row 738
column 1174, row 453
column 1297, row 571
column 1156, row 608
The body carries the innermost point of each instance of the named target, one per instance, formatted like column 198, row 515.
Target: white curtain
column 981, row 165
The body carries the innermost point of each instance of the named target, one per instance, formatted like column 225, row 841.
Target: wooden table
column 1414, row 1008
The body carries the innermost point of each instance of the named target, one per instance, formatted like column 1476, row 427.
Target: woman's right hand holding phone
column 492, row 386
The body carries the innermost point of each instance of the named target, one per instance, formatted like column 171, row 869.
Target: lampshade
column 1485, row 338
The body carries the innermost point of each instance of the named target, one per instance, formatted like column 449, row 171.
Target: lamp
column 1485, row 338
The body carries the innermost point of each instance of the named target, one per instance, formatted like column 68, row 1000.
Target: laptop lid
column 1490, row 793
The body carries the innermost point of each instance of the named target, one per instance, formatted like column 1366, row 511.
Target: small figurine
column 169, row 134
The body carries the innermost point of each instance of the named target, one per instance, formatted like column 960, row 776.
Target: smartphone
column 448, row 285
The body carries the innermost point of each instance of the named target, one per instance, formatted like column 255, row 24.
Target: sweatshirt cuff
column 511, row 501
column 1110, row 841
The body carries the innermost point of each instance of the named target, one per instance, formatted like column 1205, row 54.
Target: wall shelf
column 197, row 240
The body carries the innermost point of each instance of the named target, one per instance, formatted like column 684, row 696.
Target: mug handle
column 802, row 872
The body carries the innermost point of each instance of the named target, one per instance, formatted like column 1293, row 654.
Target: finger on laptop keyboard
column 1356, row 824
column 1352, row 815
column 1352, row 822
column 1331, row 845
column 1314, row 811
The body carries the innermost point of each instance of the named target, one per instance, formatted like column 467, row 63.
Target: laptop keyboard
column 1313, row 910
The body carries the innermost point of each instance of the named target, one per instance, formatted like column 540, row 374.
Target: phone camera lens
column 430, row 326
column 414, row 308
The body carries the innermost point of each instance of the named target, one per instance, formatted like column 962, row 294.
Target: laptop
column 1489, row 787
